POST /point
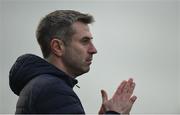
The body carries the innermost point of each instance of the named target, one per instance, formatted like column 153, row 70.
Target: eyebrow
column 87, row 37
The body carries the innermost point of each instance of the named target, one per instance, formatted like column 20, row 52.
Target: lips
column 89, row 61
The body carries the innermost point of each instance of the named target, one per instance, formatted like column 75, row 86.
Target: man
column 46, row 85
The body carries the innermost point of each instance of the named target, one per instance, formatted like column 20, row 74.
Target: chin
column 87, row 69
column 83, row 71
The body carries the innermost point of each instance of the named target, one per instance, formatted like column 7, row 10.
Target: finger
column 120, row 88
column 129, row 86
column 130, row 80
column 104, row 96
column 126, row 88
column 132, row 99
column 131, row 89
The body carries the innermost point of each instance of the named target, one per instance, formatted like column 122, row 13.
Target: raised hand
column 122, row 100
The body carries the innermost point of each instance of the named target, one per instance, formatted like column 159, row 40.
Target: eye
column 85, row 40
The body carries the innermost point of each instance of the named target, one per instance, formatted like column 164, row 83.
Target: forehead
column 81, row 30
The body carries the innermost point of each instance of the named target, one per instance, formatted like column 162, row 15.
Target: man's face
column 79, row 52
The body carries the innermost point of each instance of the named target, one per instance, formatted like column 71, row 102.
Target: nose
column 92, row 49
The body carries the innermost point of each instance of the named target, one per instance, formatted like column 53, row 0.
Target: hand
column 122, row 101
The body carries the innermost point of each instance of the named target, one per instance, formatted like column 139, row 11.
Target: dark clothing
column 42, row 88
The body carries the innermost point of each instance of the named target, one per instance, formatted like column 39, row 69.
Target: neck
column 59, row 64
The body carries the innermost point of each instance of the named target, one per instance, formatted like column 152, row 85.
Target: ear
column 57, row 47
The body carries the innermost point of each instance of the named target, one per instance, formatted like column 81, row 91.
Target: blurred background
column 134, row 38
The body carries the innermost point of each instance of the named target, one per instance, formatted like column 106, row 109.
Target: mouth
column 89, row 61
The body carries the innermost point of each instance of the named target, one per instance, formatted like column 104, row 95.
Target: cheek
column 77, row 53
column 74, row 55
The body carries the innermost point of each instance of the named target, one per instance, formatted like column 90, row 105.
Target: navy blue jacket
column 42, row 88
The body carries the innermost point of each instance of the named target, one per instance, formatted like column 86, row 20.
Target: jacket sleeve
column 112, row 112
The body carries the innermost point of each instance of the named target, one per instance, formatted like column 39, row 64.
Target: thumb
column 104, row 96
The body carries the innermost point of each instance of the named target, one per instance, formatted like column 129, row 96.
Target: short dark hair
column 58, row 24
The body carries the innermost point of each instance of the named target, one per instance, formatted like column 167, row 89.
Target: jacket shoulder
column 50, row 94
column 44, row 83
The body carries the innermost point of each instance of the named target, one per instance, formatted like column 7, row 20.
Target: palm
column 122, row 100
